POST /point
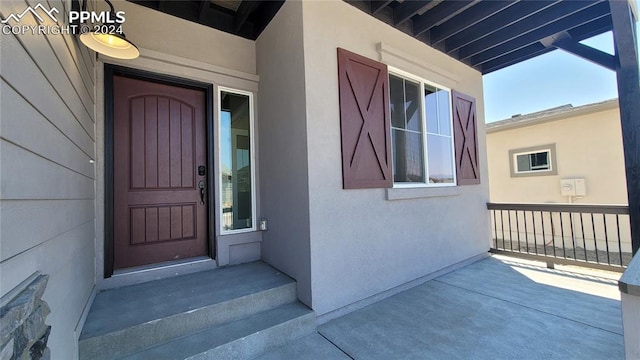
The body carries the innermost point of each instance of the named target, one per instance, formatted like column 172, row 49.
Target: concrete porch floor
column 496, row 308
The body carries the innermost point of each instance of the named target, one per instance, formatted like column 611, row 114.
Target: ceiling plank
column 580, row 33
column 204, row 6
column 565, row 15
column 244, row 10
column 377, row 5
column 263, row 15
column 408, row 9
column 515, row 57
column 591, row 29
column 467, row 19
column 502, row 43
column 439, row 14
column 588, row 53
column 513, row 14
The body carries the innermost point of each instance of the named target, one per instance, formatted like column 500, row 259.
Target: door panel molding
column 110, row 71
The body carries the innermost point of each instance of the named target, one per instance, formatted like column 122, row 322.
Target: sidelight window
column 237, row 195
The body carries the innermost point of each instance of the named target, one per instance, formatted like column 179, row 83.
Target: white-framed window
column 421, row 132
column 533, row 161
column 236, row 161
column 539, row 160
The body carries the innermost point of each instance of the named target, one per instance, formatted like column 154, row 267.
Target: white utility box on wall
column 573, row 187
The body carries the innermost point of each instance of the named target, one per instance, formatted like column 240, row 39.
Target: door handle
column 201, row 186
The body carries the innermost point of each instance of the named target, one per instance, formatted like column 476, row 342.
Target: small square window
column 533, row 161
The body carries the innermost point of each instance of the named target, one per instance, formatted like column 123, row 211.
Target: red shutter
column 364, row 122
column 465, row 133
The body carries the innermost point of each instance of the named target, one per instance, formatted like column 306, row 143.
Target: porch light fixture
column 110, row 44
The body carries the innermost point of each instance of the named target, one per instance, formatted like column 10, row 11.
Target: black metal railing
column 591, row 235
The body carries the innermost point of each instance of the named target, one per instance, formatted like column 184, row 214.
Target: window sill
column 421, row 192
column 534, row 173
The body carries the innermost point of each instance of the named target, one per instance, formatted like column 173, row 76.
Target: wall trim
column 198, row 65
column 398, row 289
column 155, row 61
column 559, row 115
column 83, row 315
column 400, row 193
column 398, row 58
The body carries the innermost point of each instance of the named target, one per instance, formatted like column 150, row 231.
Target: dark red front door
column 159, row 143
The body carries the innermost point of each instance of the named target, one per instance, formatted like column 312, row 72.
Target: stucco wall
column 283, row 146
column 47, row 193
column 361, row 243
column 588, row 146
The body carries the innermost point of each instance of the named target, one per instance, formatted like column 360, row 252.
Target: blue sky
column 554, row 79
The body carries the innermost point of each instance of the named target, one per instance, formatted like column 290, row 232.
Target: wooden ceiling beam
column 550, row 21
column 591, row 29
column 513, row 14
column 202, row 11
column 242, row 14
column 519, row 42
column 514, row 57
column 588, row 53
column 378, row 5
column 467, row 19
column 579, row 33
column 439, row 14
column 408, row 9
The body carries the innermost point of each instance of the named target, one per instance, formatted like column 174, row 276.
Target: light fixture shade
column 113, row 45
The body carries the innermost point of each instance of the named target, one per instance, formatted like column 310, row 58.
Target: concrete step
column 128, row 319
column 242, row 339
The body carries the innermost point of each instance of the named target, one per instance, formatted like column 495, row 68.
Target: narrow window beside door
column 236, row 167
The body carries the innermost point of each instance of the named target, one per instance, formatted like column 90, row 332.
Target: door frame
column 111, row 70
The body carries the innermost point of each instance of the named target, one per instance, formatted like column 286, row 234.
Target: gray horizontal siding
column 47, row 187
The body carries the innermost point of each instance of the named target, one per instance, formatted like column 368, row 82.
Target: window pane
column 431, row 108
column 440, row 159
column 235, row 162
column 396, row 92
column 407, row 156
column 523, row 162
column 540, row 161
column 412, row 106
column 444, row 111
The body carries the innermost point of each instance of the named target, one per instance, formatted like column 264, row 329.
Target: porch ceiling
column 489, row 35
column 239, row 17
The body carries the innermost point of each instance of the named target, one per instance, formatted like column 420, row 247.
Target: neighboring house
column 530, row 156
column 561, row 155
column 361, row 146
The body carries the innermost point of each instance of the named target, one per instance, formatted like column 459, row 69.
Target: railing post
column 628, row 75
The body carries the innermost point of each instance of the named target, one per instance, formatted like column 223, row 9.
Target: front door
column 159, row 172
